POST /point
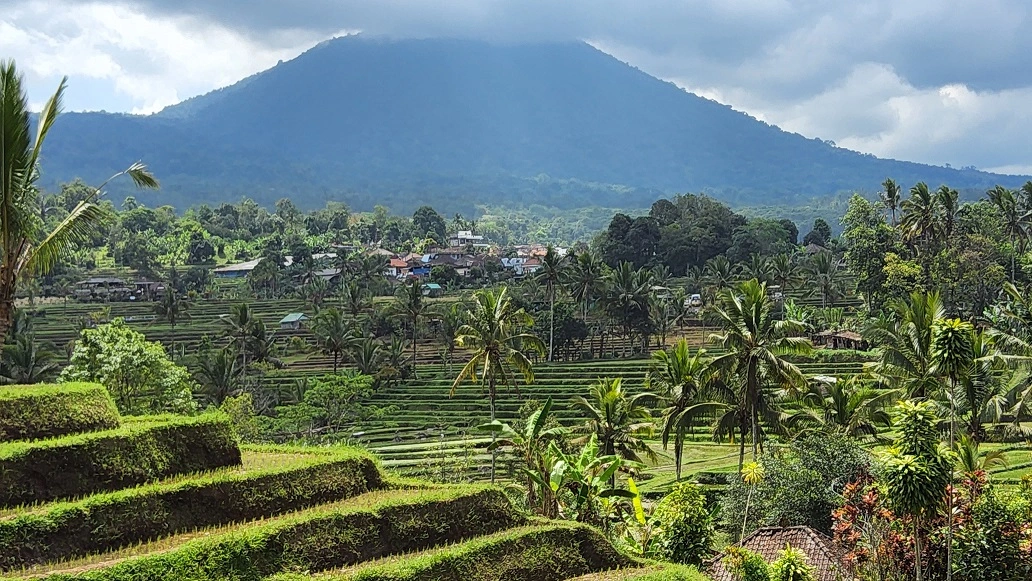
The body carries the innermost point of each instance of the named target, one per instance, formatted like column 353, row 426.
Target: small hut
column 826, row 558
column 292, row 322
column 840, row 340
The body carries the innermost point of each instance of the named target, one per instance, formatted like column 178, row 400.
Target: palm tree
column 551, row 273
column 368, row 356
column 719, row 274
column 218, row 373
column 784, row 271
column 919, row 216
column 947, row 201
column 627, row 297
column 1017, row 222
column 844, row 407
column 758, row 267
column 905, row 338
column 26, row 248
column 890, row 197
column 755, row 345
column 971, row 459
column 172, row 308
column 620, row 422
column 355, row 299
column 410, row 303
column 585, row 279
column 449, row 321
column 824, row 272
column 26, row 361
column 684, row 380
column 333, row 333
column 237, row 326
column 495, row 332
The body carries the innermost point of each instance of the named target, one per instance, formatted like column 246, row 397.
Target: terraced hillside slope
column 95, row 496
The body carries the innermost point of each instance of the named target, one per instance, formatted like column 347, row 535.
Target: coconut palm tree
column 756, row 345
column 218, row 374
column 919, row 223
column 785, row 271
column 890, row 196
column 173, row 308
column 758, row 267
column 355, row 299
column 824, row 273
column 238, row 326
column 684, row 381
column 971, row 459
column 333, row 332
column 552, row 273
column 947, row 201
column 627, row 297
column 620, row 422
column 449, row 321
column 496, row 333
column 1017, row 221
column 25, row 361
column 844, row 407
column 26, row 247
column 368, row 355
column 905, row 337
column 410, row 304
column 719, row 274
column 584, row 279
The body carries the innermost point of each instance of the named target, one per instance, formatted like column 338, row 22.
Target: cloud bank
column 935, row 81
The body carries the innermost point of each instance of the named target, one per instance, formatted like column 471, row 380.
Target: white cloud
column 147, row 62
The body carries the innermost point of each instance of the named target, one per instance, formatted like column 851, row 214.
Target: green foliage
column 994, row 546
column 108, row 521
column 138, row 372
column 800, row 486
column 746, row 565
column 46, row 411
column 791, row 565
column 330, row 405
column 550, row 552
column 324, row 538
column 241, row 413
column 687, row 526
column 137, row 452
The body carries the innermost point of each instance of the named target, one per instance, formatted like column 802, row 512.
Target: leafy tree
column 495, row 331
column 429, row 223
column 820, row 235
column 138, row 372
column 1017, row 221
column 869, row 240
column 331, row 406
column 756, row 345
column 687, row 532
column 917, row 470
column 28, row 247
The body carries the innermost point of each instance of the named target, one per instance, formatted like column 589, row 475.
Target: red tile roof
column 826, row 558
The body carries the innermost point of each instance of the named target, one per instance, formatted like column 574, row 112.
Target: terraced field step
column 141, row 450
column 337, row 534
column 36, row 412
column 270, row 481
column 663, row 572
column 544, row 551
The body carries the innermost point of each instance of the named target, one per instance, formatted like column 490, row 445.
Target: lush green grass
column 272, row 480
column 135, row 453
column 543, row 552
column 33, row 412
column 664, row 572
column 334, row 535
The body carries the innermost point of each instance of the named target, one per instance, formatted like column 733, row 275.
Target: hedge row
column 320, row 539
column 34, row 412
column 664, row 572
column 100, row 461
column 109, row 521
column 551, row 552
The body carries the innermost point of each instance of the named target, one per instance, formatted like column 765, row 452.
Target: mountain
column 455, row 123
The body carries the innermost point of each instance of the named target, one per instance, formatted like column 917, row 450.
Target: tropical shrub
column 791, row 565
column 687, row 529
column 746, row 565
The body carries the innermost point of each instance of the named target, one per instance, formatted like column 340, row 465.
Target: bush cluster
column 47, row 411
column 109, row 521
column 138, row 452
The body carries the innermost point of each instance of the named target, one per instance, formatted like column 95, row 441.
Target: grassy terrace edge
column 550, row 551
column 363, row 528
column 109, row 521
column 140, row 451
column 35, row 412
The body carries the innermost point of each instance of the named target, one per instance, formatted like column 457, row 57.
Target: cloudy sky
column 935, row 81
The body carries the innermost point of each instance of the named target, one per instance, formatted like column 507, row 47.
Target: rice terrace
column 436, row 295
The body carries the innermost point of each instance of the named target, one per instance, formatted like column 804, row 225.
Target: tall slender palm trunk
column 551, row 321
column 494, row 451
